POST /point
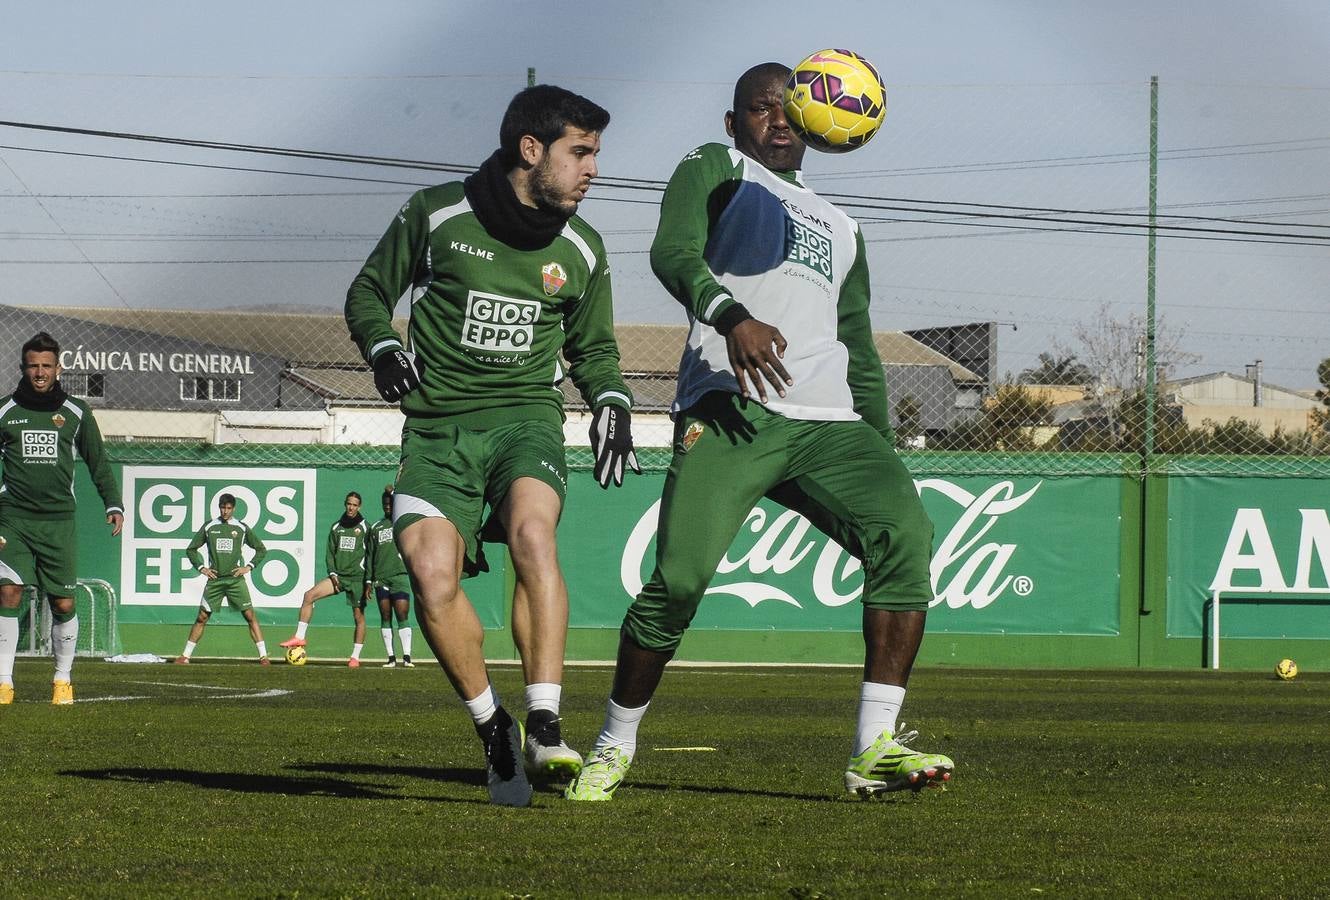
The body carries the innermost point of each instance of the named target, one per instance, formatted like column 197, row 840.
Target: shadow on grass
column 477, row 777
column 289, row 785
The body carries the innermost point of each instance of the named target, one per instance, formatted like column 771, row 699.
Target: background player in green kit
column 392, row 586
column 42, row 430
column 225, row 572
column 344, row 559
column 501, row 276
column 755, row 256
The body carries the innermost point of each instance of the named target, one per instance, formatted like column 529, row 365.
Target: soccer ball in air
column 1287, row 670
column 835, row 100
column 296, row 656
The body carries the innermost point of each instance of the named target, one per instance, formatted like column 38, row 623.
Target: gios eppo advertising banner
column 1011, row 556
column 1265, row 542
column 290, row 509
column 170, row 503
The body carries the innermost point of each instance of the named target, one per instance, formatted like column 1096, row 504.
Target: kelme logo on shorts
column 808, row 248
column 499, row 324
column 167, row 505
column 40, row 444
column 554, row 277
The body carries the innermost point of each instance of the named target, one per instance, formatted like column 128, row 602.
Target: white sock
column 543, row 695
column 404, row 635
column 386, row 633
column 620, row 729
column 64, row 641
column 483, row 706
column 301, row 628
column 8, row 647
column 189, row 649
column 262, row 647
column 879, row 705
column 355, row 650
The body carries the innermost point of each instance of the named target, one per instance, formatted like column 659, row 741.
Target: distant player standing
column 502, row 278
column 42, row 429
column 225, row 573
column 344, row 559
column 392, row 586
column 757, row 258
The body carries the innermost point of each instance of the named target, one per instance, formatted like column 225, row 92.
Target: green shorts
column 38, row 551
column 232, row 589
column 397, row 585
column 844, row 477
column 353, row 589
column 454, row 473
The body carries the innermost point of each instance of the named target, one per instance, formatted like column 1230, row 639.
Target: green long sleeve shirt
column 488, row 322
column 226, row 543
column 38, row 450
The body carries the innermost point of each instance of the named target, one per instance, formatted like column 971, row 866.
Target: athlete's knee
column 657, row 619
column 434, row 580
column 62, row 608
column 532, row 539
column 11, row 596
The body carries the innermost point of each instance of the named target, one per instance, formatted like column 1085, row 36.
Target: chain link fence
column 1022, row 317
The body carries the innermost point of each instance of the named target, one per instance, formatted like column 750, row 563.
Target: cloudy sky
column 1009, row 183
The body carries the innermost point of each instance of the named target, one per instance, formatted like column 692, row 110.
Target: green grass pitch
column 223, row 779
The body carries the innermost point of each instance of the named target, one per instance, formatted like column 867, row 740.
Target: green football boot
column 889, row 765
column 600, row 776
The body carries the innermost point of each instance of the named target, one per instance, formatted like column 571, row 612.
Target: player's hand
column 750, row 345
column 612, row 444
column 208, row 573
column 117, row 521
column 396, row 374
column 336, row 581
column 241, row 570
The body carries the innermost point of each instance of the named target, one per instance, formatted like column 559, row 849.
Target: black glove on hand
column 396, row 374
column 612, row 444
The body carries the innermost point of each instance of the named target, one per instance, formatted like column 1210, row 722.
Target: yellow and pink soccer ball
column 1287, row 670
column 835, row 100
column 296, row 656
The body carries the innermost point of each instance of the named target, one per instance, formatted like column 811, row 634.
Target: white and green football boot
column 601, row 775
column 546, row 754
column 888, row 765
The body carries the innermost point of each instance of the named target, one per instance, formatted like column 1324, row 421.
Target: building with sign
column 260, row 376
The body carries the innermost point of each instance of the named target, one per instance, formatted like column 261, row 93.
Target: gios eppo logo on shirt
column 40, row 445
column 499, row 325
column 167, row 505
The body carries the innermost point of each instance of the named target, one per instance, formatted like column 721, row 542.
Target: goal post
column 95, row 604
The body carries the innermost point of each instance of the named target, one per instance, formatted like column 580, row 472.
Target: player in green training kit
column 392, row 586
column 756, row 257
column 42, row 430
column 501, row 276
column 344, row 558
column 225, row 573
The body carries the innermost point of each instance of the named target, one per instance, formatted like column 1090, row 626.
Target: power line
column 963, row 217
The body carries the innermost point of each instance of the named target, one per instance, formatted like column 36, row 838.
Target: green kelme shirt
column 226, row 542
column 37, row 451
column 489, row 321
column 345, row 553
column 385, row 562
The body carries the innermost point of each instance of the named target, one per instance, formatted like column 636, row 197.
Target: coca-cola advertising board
column 1012, row 555
column 1263, row 542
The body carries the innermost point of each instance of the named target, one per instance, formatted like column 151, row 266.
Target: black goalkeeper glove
column 612, row 444
column 396, row 374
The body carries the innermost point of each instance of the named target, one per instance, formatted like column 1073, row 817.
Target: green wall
column 1079, row 567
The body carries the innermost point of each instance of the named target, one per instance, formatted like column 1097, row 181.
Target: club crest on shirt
column 58, row 420
column 554, row 277
column 690, row 436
